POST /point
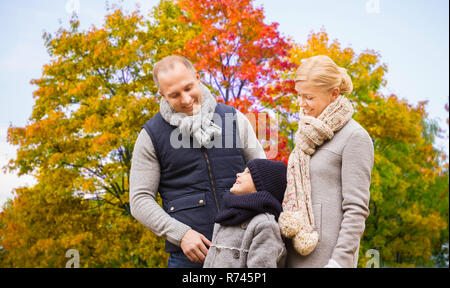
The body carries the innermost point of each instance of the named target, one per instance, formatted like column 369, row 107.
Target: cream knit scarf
column 297, row 219
column 198, row 125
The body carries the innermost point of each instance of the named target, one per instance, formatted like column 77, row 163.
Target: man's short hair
column 168, row 63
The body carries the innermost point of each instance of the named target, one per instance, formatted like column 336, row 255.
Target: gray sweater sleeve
column 357, row 164
column 144, row 182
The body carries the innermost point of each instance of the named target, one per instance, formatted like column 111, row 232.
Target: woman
column 329, row 171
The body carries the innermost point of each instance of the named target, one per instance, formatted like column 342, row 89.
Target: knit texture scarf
column 200, row 125
column 240, row 208
column 297, row 219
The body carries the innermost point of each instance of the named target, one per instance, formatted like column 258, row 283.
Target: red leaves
column 242, row 58
column 236, row 49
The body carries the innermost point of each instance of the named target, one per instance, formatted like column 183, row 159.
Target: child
column 246, row 232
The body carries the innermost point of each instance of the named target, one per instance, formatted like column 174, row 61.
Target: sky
column 411, row 36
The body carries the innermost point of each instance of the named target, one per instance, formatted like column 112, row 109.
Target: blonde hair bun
column 323, row 72
column 346, row 82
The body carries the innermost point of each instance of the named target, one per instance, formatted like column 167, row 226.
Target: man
column 192, row 175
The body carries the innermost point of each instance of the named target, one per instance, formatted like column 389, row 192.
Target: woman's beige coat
column 340, row 172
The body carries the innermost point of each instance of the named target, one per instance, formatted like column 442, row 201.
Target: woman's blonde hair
column 322, row 72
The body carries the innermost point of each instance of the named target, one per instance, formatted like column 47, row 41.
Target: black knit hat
column 269, row 175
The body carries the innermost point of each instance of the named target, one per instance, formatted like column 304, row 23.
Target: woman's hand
column 332, row 264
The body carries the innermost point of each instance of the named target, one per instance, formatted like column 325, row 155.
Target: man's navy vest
column 194, row 180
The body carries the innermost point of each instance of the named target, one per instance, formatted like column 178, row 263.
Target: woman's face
column 313, row 100
column 244, row 183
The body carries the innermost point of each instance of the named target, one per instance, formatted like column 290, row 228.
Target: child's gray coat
column 256, row 243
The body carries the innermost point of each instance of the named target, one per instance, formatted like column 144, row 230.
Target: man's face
column 181, row 88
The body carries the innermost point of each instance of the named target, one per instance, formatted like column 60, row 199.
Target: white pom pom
column 290, row 223
column 305, row 241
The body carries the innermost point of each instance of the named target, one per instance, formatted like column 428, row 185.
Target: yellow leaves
column 147, row 68
column 318, row 44
column 15, row 135
column 365, row 69
column 55, row 159
column 49, row 226
column 32, row 129
column 88, row 185
column 391, row 118
column 43, row 245
column 418, row 230
column 91, row 124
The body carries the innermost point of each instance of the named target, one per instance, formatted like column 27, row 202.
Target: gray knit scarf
column 199, row 125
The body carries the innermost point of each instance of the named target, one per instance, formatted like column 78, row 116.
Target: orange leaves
column 15, row 135
column 238, row 52
column 103, row 139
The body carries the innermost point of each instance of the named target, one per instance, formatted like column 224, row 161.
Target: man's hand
column 193, row 246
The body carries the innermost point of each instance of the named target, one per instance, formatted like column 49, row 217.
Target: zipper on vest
column 211, row 177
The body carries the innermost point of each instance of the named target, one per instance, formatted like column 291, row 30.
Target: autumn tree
column 39, row 226
column 238, row 53
column 94, row 97
column 90, row 104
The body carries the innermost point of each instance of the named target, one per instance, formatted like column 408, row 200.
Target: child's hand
column 194, row 245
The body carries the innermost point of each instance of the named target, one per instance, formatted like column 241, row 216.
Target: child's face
column 244, row 183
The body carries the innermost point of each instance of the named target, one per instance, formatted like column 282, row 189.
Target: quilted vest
column 194, row 179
